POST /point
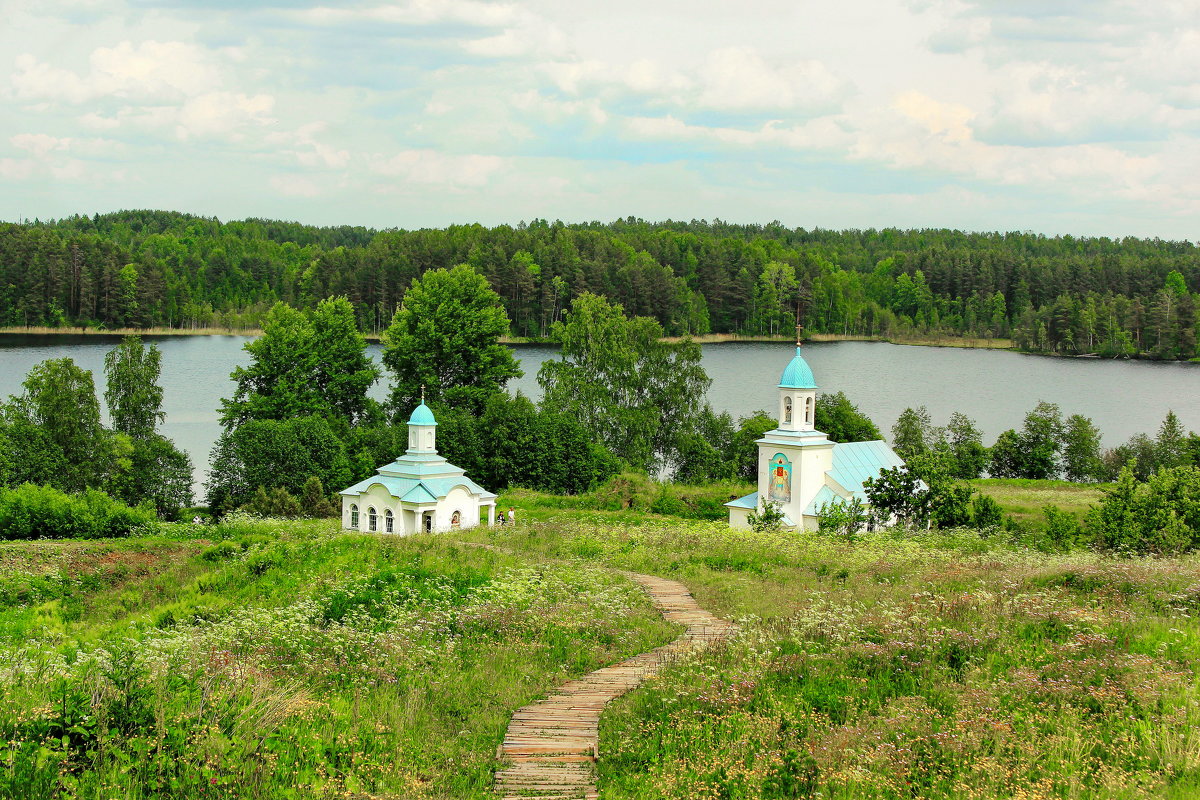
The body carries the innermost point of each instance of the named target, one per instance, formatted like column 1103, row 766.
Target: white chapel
column 799, row 468
column 419, row 491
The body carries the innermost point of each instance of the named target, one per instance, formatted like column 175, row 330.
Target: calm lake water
column 996, row 388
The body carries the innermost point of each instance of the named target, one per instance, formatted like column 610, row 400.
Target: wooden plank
column 552, row 743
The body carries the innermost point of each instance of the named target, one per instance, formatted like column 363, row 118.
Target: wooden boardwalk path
column 553, row 743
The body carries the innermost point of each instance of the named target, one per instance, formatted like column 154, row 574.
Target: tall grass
column 284, row 660
column 905, row 665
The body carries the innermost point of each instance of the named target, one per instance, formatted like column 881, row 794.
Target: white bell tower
column 793, row 458
column 422, row 430
column 797, row 394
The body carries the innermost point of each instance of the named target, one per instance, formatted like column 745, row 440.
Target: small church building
column 799, row 468
column 418, row 492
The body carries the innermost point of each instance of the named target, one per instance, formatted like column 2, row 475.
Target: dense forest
column 1066, row 295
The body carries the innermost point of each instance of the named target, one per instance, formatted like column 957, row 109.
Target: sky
column 1073, row 117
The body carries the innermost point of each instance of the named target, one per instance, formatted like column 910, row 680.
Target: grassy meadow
column 264, row 658
column 636, row 498
column 903, row 666
column 1024, row 499
column 283, row 659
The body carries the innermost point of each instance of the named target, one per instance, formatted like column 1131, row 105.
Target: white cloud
column 99, row 122
column 734, row 80
column 824, row 133
column 431, row 168
column 294, row 186
column 147, row 71
column 930, row 136
column 588, row 109
column 572, row 76
column 948, row 121
column 550, row 109
column 223, row 114
column 17, row 169
column 43, row 146
column 72, row 169
column 529, row 35
column 414, row 12
column 740, row 79
column 304, row 145
column 1042, row 102
column 35, row 80
column 39, row 144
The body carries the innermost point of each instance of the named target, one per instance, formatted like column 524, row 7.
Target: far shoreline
column 707, row 338
column 965, row 343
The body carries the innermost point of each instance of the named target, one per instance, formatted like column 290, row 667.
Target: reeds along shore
column 708, row 338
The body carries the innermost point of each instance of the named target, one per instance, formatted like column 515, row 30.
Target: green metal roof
column 855, row 462
column 750, row 501
column 419, row 490
column 422, row 416
column 797, row 374
column 823, row 498
column 419, row 494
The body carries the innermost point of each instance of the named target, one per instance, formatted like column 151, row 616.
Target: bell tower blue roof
column 797, row 374
column 422, row 416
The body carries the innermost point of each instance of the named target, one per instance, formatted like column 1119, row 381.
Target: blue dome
column 422, row 416
column 797, row 375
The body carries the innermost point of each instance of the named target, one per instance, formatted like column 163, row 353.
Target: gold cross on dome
column 422, row 394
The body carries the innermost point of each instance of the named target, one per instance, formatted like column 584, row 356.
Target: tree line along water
column 995, row 388
column 1063, row 294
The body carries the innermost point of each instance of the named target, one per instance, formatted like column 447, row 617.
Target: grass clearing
column 284, row 659
column 928, row 665
column 1024, row 499
column 276, row 659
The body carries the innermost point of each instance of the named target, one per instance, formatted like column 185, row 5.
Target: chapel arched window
column 372, row 519
column 787, row 409
column 353, row 516
column 808, row 410
column 389, row 522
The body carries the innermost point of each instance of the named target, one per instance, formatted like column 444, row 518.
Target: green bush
column 39, row 512
column 1158, row 517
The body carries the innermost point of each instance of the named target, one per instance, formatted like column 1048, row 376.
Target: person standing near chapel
column 512, row 516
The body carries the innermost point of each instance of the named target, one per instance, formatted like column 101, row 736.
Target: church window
column 808, row 410
column 429, row 439
column 389, row 522
column 372, row 519
column 787, row 409
column 353, row 516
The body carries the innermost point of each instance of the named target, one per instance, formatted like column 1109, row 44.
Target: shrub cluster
column 40, row 512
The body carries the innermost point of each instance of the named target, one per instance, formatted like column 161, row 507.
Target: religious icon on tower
column 779, row 488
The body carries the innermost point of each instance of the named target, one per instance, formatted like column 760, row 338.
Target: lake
column 994, row 387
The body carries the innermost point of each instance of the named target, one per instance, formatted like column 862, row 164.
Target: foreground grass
column 904, row 666
column 284, row 660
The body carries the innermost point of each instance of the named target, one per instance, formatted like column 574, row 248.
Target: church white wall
column 803, row 409
column 461, row 500
column 816, row 462
column 809, row 465
column 739, row 518
column 409, row 519
column 381, row 500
